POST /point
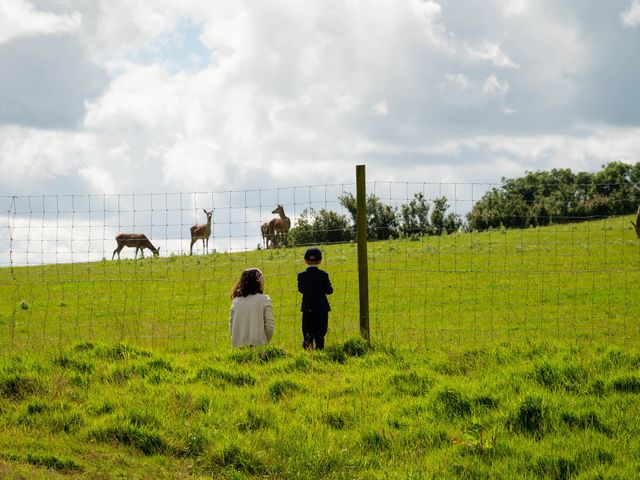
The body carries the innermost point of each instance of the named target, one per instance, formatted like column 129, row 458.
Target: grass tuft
column 338, row 420
column 354, row 347
column 486, row 401
column 18, row 387
column 239, row 459
column 63, row 465
column 282, row 388
column 264, row 354
column 530, row 418
column 256, row 420
column 122, row 351
column 335, row 353
column 68, row 363
column 462, row 363
column 570, row 378
column 410, row 383
column 197, row 442
column 376, row 440
column 84, row 347
column 627, row 384
column 147, row 441
column 558, row 468
column 211, row 374
column 451, row 404
column 584, row 421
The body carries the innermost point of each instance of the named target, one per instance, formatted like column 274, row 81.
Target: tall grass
column 513, row 410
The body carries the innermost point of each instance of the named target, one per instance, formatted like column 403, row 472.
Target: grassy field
column 503, row 354
column 516, row 410
column 578, row 281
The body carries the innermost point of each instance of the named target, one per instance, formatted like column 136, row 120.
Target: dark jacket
column 314, row 285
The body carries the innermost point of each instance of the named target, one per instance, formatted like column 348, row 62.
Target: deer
column 134, row 240
column 280, row 226
column 267, row 236
column 201, row 231
column 636, row 224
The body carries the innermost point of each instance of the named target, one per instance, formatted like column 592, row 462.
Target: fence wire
column 574, row 278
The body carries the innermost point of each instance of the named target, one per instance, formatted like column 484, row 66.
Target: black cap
column 313, row 253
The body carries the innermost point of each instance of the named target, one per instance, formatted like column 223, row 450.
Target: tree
column 382, row 220
column 441, row 222
column 323, row 226
column 559, row 196
column 414, row 216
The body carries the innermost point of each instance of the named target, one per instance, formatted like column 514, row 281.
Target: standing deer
column 202, row 232
column 134, row 240
column 267, row 236
column 636, row 224
column 280, row 226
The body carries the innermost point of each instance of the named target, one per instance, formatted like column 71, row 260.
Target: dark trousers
column 314, row 328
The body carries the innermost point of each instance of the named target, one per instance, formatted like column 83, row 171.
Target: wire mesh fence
column 433, row 276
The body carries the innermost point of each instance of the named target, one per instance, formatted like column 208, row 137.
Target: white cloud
column 464, row 92
column 631, row 16
column 287, row 93
column 32, row 155
column 491, row 52
column 381, row 109
column 515, row 8
column 494, row 87
column 19, row 18
column 459, row 81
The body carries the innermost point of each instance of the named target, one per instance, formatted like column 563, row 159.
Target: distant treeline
column 559, row 196
column 538, row 198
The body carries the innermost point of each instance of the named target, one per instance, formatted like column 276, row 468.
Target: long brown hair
column 248, row 283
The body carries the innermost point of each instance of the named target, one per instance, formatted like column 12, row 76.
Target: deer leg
column 117, row 250
column 207, row 241
column 193, row 240
column 142, row 251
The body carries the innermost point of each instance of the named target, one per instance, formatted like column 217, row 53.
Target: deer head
column 279, row 210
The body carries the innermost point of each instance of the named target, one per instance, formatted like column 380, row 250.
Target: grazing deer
column 280, row 226
column 636, row 224
column 202, row 232
column 134, row 240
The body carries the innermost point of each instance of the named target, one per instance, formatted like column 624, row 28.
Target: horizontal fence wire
column 567, row 277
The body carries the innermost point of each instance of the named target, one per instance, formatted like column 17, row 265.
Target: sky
column 156, row 96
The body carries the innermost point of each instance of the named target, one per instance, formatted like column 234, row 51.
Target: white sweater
column 251, row 320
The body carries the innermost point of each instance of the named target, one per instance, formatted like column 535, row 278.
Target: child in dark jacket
column 314, row 285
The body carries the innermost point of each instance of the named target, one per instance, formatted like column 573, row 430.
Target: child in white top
column 251, row 315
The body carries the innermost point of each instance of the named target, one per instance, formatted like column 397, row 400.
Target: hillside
column 577, row 280
column 503, row 354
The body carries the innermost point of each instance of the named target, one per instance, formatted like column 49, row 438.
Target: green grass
column 503, row 354
column 513, row 410
column 567, row 281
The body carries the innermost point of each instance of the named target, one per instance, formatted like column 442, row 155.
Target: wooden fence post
column 363, row 268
